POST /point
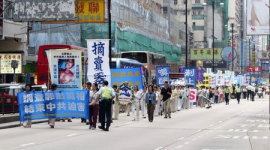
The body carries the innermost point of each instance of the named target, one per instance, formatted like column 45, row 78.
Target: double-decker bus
column 150, row 61
column 43, row 65
column 125, row 63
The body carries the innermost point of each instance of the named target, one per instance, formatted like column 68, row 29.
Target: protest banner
column 125, row 94
column 133, row 76
column 66, row 69
column 193, row 95
column 58, row 104
column 190, row 76
column 162, row 74
column 98, row 61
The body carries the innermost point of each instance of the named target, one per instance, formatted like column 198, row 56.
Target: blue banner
column 133, row 76
column 162, row 74
column 190, row 76
column 58, row 104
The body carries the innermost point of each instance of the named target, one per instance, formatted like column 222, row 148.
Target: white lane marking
column 179, row 146
column 246, row 137
column 219, row 121
column 181, row 138
column 236, row 137
column 70, row 135
column 159, row 148
column 211, row 131
column 27, row 144
column 193, row 139
column 199, row 130
column 128, row 123
column 187, row 143
column 211, row 125
column 265, row 137
column 254, row 137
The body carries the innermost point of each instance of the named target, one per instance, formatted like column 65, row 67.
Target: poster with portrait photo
column 66, row 69
column 258, row 17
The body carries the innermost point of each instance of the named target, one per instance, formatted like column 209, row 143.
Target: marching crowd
column 151, row 101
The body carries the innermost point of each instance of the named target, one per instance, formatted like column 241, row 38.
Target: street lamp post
column 186, row 34
column 232, row 25
column 213, row 63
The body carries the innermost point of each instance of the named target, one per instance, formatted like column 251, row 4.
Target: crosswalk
column 241, row 137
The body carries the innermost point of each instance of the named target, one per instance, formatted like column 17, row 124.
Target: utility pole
column 213, row 45
column 110, row 31
column 186, row 33
column 232, row 25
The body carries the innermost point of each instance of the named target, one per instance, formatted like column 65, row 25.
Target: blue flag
column 162, row 74
column 58, row 104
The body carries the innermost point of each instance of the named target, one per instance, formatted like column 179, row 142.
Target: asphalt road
column 223, row 127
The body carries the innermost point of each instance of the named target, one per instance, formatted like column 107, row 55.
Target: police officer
column 227, row 93
column 238, row 93
column 105, row 94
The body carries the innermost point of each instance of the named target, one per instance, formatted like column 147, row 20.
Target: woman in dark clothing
column 150, row 100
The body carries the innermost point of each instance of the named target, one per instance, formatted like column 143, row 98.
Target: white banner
column 5, row 63
column 213, row 81
column 66, row 69
column 220, row 80
column 98, row 61
column 193, row 95
column 258, row 17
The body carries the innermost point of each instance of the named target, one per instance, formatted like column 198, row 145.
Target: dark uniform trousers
column 227, row 98
column 105, row 110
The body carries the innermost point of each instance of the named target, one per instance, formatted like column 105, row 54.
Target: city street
column 223, row 127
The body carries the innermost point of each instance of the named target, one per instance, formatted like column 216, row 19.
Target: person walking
column 184, row 97
column 238, row 93
column 142, row 102
column 28, row 123
column 116, row 105
column 221, row 94
column 216, row 92
column 172, row 99
column 244, row 91
column 187, row 97
column 106, row 94
column 88, row 87
column 252, row 93
column 227, row 94
column 178, row 98
column 249, row 92
column 113, row 111
column 199, row 96
column 166, row 93
column 150, row 100
column 203, row 97
column 52, row 120
column 136, row 104
column 94, row 108
column 157, row 108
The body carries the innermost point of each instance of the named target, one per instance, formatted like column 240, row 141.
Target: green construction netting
column 129, row 41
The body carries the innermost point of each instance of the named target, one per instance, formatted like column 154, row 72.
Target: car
column 8, row 96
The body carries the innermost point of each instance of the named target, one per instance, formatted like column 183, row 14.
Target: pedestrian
column 28, row 123
column 221, row 94
column 211, row 94
column 136, row 104
column 200, row 96
column 172, row 99
column 244, row 91
column 94, row 108
column 88, row 87
column 178, row 98
column 142, row 102
column 252, row 92
column 150, row 100
column 216, row 92
column 248, row 92
column 184, row 97
column 166, row 93
column 106, row 94
column 203, row 97
column 238, row 93
column 187, row 97
column 113, row 103
column 52, row 120
column 227, row 94
column 116, row 104
column 157, row 108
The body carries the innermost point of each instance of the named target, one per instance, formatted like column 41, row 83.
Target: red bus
column 43, row 66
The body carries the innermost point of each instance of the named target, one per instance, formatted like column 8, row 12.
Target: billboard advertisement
column 205, row 54
column 217, row 64
column 40, row 10
column 87, row 11
column 258, row 17
column 5, row 63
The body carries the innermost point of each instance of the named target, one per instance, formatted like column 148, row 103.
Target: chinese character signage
column 87, row 11
column 228, row 54
column 217, row 64
column 98, row 61
column 205, row 54
column 132, row 76
column 265, row 70
column 40, row 10
column 257, row 17
column 190, row 76
column 44, row 105
column 162, row 74
column 66, row 69
column 220, row 80
column 254, row 69
column 213, row 80
column 243, row 55
column 125, row 94
column 5, row 63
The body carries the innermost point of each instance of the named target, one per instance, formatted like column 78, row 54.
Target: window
column 198, row 27
column 181, row 35
column 197, row 17
column 197, row 1
column 165, row 10
column 175, row 2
